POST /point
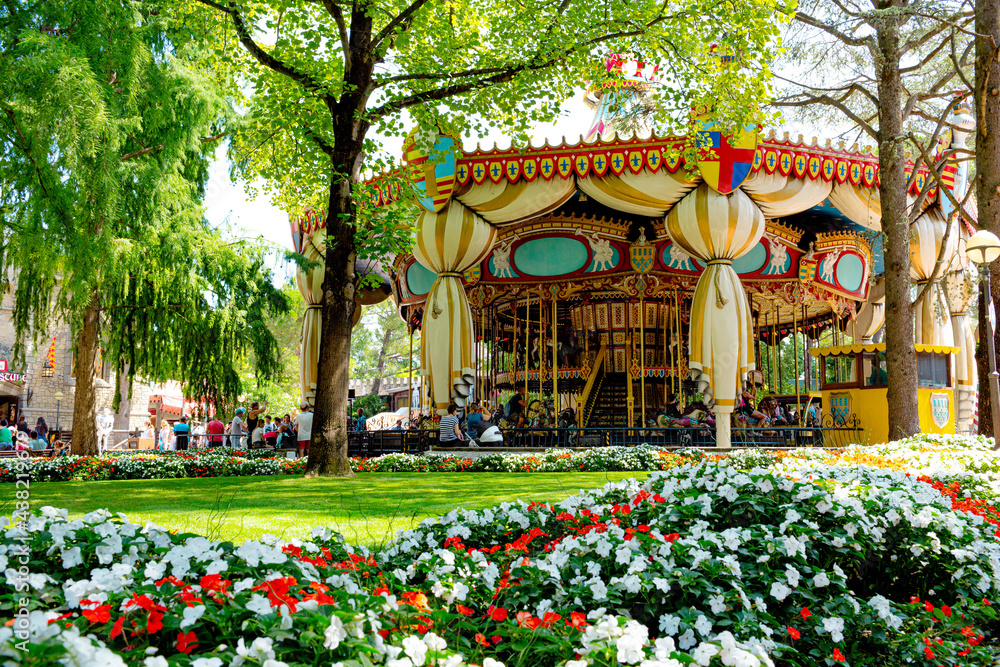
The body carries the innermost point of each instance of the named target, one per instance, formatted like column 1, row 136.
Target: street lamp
column 982, row 248
column 59, row 398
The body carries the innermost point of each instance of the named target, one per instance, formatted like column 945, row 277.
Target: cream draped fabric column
column 717, row 229
column 966, row 373
column 448, row 243
column 932, row 319
column 310, row 285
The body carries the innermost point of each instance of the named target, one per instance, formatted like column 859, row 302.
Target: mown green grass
column 368, row 509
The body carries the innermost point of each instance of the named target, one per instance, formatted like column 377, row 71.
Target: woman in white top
column 257, row 438
column 303, row 428
column 166, row 436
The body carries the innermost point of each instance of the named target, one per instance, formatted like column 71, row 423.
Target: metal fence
column 839, row 433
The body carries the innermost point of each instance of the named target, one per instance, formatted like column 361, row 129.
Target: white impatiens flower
column 670, row 625
column 703, row 625
column 191, row 615
column 259, row 604
column 415, row 649
column 217, row 662
column 490, row 662
column 155, row 661
column 835, row 626
column 717, row 603
column 821, row 580
column 704, row 653
column 334, row 633
column 779, row 591
column 630, row 649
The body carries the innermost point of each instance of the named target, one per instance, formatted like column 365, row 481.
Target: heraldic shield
column 725, row 162
column 642, row 257
column 941, row 409
column 840, row 407
column 433, row 176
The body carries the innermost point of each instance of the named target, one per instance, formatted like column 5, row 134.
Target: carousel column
column 449, row 242
column 310, row 284
column 960, row 291
column 928, row 234
column 717, row 228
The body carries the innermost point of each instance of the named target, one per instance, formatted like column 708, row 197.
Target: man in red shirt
column 216, row 430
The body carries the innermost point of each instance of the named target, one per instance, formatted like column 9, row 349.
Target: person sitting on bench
column 450, row 434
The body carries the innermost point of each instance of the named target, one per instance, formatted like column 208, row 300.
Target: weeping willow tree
column 107, row 131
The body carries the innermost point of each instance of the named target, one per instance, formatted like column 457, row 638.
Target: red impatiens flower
column 99, row 614
column 838, row 656
column 928, row 606
column 577, row 620
column 946, row 610
column 550, row 618
column 463, row 610
column 793, row 633
column 186, row 642
column 154, row 622
column 481, row 640
column 116, row 629
column 928, row 652
column 805, row 614
column 498, row 614
column 526, row 620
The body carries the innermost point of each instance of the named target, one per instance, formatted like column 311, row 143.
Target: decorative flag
column 50, row 358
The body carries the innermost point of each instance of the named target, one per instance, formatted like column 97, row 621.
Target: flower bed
column 813, row 559
column 227, row 462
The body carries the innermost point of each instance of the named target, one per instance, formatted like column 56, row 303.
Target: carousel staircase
column 611, row 406
column 588, row 397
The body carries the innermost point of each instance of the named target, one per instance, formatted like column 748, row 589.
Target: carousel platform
column 475, row 453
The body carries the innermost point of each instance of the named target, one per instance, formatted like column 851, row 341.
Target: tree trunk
column 382, row 354
column 901, row 361
column 987, row 113
column 328, row 447
column 123, row 411
column 84, row 403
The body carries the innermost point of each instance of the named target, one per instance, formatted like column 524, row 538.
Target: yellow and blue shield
column 941, row 409
column 642, row 257
column 433, row 176
column 807, row 270
column 725, row 162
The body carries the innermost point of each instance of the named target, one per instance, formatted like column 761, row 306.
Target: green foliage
column 380, row 344
column 370, row 404
column 107, row 130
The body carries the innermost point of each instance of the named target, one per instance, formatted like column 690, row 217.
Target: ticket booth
column 853, row 386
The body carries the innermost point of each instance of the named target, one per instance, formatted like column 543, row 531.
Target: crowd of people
column 18, row 436
column 248, row 429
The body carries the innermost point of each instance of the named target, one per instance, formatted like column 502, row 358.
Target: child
column 61, row 448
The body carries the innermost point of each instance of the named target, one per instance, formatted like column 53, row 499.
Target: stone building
column 32, row 388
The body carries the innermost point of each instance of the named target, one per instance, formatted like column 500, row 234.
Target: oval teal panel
column 552, row 256
column 419, row 279
column 752, row 261
column 850, row 272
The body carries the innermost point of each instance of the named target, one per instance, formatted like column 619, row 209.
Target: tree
column 987, row 101
column 340, row 72
column 282, row 390
column 380, row 346
column 107, row 131
column 903, row 60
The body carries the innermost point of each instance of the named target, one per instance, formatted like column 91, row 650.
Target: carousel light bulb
column 983, row 247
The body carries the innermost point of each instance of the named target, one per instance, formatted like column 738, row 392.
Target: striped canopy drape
column 448, row 243
column 310, row 285
column 717, row 229
column 933, row 321
column 960, row 293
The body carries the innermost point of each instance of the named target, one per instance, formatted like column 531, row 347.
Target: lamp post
column 982, row 248
column 59, row 398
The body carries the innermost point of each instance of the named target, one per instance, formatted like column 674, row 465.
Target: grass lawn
column 368, row 509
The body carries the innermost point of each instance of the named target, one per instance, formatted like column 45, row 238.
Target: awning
column 877, row 347
column 171, row 405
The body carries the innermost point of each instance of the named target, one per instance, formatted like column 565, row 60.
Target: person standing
column 303, row 428
column 216, row 430
column 182, row 433
column 449, row 433
column 516, row 407
column 6, row 437
column 236, row 431
column 254, row 416
column 165, row 439
column 360, row 421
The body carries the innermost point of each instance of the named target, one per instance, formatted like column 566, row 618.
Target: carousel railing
column 588, row 397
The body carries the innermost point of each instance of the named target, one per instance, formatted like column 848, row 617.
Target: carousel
column 610, row 277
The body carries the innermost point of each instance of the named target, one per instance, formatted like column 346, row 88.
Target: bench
column 37, row 453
